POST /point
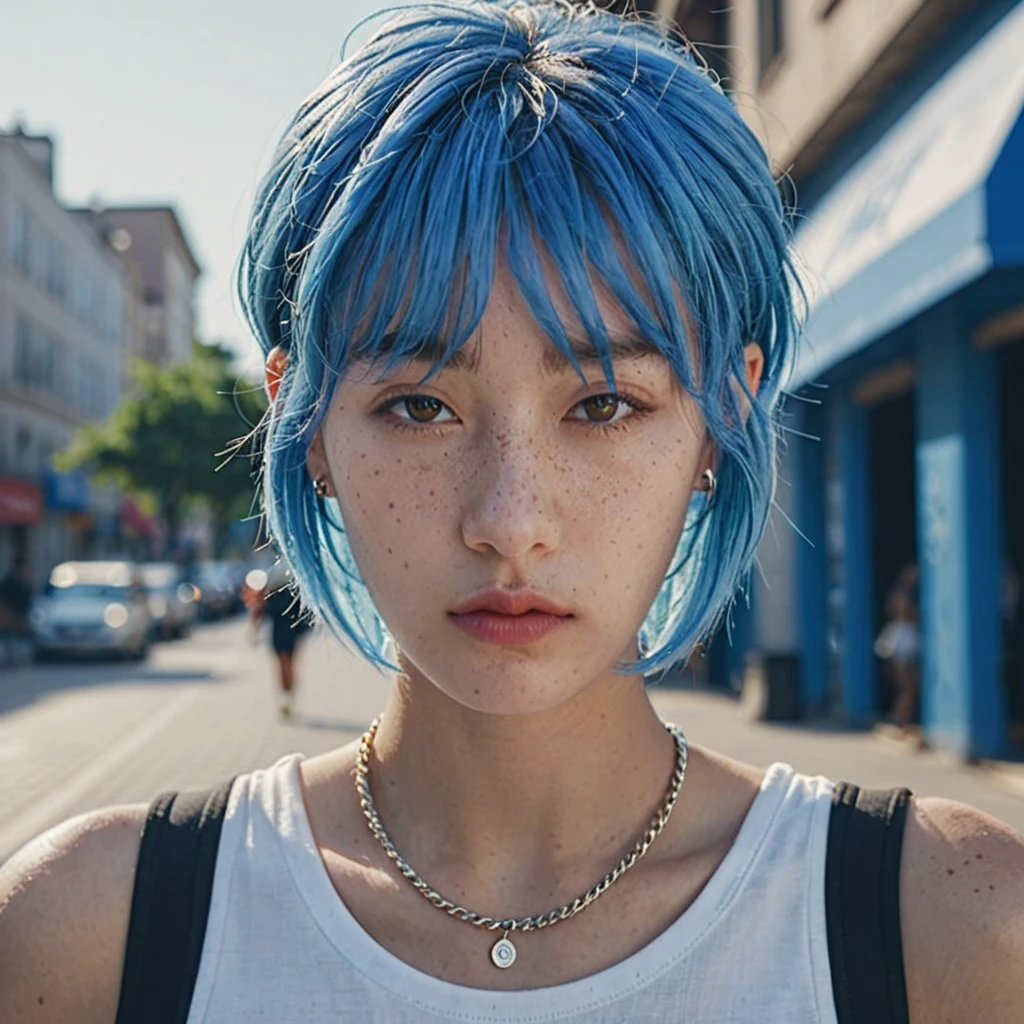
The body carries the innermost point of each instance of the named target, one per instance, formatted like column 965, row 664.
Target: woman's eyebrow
column 622, row 345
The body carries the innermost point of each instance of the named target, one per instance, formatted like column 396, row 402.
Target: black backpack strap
column 170, row 905
column 862, row 904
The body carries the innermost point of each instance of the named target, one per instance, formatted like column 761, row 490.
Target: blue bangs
column 547, row 136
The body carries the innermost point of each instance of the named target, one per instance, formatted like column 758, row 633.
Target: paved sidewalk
column 77, row 737
column 720, row 722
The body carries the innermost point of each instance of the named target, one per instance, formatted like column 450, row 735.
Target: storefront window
column 22, row 352
column 56, row 269
column 21, row 242
column 23, row 450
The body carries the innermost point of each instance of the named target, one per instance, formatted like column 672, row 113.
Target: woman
column 899, row 647
column 289, row 623
column 521, row 276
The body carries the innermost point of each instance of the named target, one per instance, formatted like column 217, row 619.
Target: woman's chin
column 504, row 704
column 504, row 684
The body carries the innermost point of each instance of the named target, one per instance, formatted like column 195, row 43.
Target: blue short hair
column 463, row 131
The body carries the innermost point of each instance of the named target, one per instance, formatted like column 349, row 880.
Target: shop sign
column 21, row 503
column 68, row 492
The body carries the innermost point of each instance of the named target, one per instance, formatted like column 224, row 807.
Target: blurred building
column 900, row 126
column 63, row 311
column 156, row 254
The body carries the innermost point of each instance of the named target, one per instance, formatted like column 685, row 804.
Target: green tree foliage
column 179, row 436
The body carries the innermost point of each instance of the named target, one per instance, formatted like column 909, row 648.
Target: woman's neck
column 520, row 796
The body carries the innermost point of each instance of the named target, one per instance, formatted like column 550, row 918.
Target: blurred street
column 75, row 737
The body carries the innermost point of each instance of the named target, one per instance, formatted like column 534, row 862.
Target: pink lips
column 512, row 617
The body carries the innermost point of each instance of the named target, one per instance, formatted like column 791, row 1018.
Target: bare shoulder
column 962, row 914
column 331, row 803
column 65, row 899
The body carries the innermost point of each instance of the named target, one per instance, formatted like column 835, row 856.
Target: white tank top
column 282, row 947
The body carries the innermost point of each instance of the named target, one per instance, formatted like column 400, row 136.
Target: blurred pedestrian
column 898, row 645
column 521, row 275
column 253, row 588
column 16, row 603
column 289, row 622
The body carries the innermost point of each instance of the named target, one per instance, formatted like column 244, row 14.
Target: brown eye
column 601, row 408
column 421, row 409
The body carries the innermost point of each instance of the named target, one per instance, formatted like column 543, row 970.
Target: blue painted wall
column 858, row 659
column 958, row 527
column 805, row 461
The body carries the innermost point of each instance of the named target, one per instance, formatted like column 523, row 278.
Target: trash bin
column 771, row 687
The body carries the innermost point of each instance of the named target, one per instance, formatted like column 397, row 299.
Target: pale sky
column 175, row 102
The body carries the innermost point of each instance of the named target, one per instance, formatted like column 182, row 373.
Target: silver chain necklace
column 503, row 952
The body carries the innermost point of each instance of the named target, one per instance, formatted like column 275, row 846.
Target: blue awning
column 68, row 492
column 934, row 204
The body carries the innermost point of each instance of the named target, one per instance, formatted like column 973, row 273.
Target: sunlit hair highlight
column 461, row 132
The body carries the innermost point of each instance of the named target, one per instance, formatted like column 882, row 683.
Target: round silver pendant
column 503, row 954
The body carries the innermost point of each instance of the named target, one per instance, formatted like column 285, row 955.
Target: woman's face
column 512, row 522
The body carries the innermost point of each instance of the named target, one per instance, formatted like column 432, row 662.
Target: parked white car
column 173, row 601
column 217, row 590
column 92, row 608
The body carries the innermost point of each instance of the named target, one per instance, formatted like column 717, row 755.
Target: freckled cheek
column 646, row 488
column 394, row 510
column 631, row 512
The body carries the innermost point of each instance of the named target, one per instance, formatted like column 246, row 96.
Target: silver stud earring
column 320, row 487
column 709, row 483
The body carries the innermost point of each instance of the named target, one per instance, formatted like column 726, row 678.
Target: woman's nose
column 511, row 509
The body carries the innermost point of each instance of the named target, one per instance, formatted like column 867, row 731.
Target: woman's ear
column 276, row 364
column 316, row 459
column 708, row 461
column 753, row 359
column 753, row 362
